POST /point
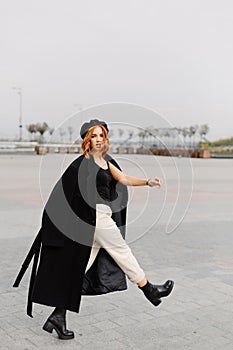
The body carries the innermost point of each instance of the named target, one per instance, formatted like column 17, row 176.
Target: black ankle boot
column 57, row 321
column 154, row 293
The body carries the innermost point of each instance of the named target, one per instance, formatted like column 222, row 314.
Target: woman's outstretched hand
column 155, row 182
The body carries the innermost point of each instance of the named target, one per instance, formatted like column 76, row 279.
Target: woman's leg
column 108, row 236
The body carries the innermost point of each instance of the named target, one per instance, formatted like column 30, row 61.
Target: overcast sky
column 173, row 56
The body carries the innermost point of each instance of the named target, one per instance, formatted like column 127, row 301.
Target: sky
column 174, row 57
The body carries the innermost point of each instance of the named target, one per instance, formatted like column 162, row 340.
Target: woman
column 81, row 242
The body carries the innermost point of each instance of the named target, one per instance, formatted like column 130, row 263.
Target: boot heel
column 48, row 327
column 157, row 302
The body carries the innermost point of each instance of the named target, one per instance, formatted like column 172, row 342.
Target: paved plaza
column 195, row 250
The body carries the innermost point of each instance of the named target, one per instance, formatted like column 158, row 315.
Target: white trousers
column 108, row 236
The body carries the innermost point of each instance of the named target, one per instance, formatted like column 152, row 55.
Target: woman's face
column 97, row 139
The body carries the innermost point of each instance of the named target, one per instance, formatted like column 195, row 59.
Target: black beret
column 86, row 126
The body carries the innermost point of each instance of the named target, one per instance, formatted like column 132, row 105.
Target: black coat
column 64, row 242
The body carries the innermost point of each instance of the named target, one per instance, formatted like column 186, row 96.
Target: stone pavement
column 197, row 255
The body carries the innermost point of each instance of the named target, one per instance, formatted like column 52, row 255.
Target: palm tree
column 51, row 131
column 130, row 133
column 185, row 132
column 121, row 133
column 41, row 128
column 154, row 133
column 160, row 135
column 191, row 132
column 179, row 132
column 167, row 134
column 110, row 133
column 142, row 135
column 203, row 130
column 148, row 135
column 70, row 132
column 163, row 134
column 31, row 128
column 173, row 135
column 62, row 133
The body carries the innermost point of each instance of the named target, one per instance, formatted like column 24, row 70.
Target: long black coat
column 64, row 242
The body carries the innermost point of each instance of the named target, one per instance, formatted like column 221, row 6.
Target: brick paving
column 197, row 255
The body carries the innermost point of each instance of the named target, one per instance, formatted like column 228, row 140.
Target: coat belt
column 34, row 251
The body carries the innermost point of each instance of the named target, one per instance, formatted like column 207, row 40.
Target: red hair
column 86, row 144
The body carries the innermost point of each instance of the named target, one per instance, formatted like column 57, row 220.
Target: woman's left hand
column 155, row 182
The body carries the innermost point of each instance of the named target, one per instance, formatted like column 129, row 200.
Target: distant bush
column 221, row 142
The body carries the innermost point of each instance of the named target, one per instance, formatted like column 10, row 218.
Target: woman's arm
column 128, row 180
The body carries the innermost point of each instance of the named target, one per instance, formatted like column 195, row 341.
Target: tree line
column 41, row 128
column 221, row 142
column 148, row 137
column 166, row 137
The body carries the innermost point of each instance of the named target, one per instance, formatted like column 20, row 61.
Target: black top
column 106, row 185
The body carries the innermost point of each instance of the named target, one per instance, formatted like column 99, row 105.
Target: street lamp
column 19, row 92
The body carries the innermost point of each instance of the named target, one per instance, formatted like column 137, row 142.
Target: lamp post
column 19, row 92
